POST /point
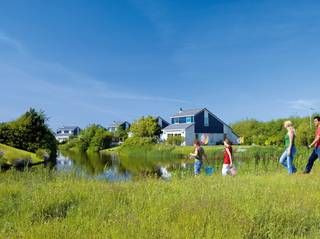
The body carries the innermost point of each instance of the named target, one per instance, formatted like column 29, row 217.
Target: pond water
column 111, row 167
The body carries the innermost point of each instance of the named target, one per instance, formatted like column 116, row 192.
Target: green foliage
column 94, row 138
column 121, row 133
column 29, row 132
column 101, row 140
column 305, row 135
column 145, row 127
column 139, row 141
column 272, row 132
column 42, row 153
column 175, row 140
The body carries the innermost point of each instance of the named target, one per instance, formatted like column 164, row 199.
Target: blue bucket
column 209, row 171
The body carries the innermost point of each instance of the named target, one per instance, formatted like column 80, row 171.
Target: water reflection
column 114, row 168
column 121, row 168
column 93, row 165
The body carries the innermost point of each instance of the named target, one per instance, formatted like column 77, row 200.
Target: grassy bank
column 39, row 204
column 160, row 151
column 11, row 154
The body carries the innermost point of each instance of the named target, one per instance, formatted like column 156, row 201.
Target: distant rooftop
column 68, row 128
column 188, row 112
column 159, row 117
column 117, row 123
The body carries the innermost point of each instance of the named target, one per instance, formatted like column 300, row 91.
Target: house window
column 190, row 119
column 175, row 121
column 206, row 118
column 182, row 120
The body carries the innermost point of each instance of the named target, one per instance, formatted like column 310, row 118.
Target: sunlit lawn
column 39, row 204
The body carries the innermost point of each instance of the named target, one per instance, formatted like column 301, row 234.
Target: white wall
column 166, row 132
column 189, row 136
column 62, row 138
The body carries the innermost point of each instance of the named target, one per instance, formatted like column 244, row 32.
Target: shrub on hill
column 29, row 132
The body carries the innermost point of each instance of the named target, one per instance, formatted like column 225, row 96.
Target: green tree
column 145, row 127
column 93, row 138
column 101, row 140
column 121, row 133
column 272, row 132
column 29, row 132
column 305, row 135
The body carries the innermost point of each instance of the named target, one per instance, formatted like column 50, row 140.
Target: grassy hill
column 10, row 154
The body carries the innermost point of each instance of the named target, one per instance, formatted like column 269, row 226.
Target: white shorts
column 225, row 169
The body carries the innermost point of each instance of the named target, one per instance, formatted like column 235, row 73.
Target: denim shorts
column 197, row 166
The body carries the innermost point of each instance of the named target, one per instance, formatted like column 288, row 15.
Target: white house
column 115, row 125
column 199, row 124
column 65, row 132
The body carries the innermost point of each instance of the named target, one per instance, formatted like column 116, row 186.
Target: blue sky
column 91, row 61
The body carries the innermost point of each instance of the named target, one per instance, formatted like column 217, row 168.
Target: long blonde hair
column 288, row 125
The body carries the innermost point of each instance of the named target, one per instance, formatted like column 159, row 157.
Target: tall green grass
column 42, row 204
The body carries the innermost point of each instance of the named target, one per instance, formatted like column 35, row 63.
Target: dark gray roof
column 178, row 126
column 118, row 123
column 68, row 128
column 159, row 117
column 190, row 112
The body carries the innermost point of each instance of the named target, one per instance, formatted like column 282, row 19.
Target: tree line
column 272, row 132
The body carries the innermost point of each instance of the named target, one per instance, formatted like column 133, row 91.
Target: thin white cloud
column 62, row 92
column 66, row 80
column 12, row 43
column 304, row 104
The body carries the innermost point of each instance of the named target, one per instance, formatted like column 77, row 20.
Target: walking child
column 227, row 161
column 198, row 156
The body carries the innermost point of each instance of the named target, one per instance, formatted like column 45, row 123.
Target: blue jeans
column 197, row 166
column 313, row 157
column 287, row 161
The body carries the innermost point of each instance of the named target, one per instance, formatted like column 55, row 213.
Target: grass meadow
column 262, row 201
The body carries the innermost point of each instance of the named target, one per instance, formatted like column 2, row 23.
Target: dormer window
column 206, row 118
column 175, row 121
column 190, row 119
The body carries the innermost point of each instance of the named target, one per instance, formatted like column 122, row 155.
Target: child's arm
column 195, row 153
